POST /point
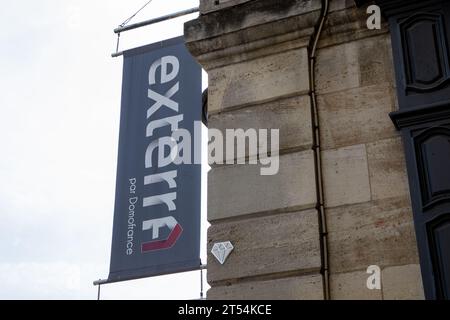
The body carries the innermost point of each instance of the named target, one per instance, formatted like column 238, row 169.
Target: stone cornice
column 264, row 27
column 246, row 15
column 249, row 27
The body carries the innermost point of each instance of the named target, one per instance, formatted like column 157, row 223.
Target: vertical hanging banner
column 158, row 189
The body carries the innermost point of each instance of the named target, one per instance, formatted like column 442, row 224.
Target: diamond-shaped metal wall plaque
column 222, row 250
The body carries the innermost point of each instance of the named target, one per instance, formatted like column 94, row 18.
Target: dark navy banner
column 157, row 210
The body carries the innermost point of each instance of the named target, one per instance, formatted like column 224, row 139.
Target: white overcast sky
column 59, row 122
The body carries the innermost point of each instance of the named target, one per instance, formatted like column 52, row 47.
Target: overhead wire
column 123, row 24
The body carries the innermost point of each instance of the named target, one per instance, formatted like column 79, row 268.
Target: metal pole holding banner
column 98, row 292
column 101, row 282
column 201, row 284
column 156, row 20
column 105, row 281
column 137, row 25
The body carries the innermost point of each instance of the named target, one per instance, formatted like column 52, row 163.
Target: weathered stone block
column 354, row 64
column 308, row 287
column 266, row 245
column 387, row 167
column 236, row 190
column 341, row 5
column 214, row 5
column 402, row 283
column 345, row 176
column 291, row 116
column 375, row 233
column 352, row 286
column 356, row 116
column 259, row 80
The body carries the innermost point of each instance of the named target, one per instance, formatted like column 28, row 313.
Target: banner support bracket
column 147, row 23
column 106, row 281
column 201, row 283
column 98, row 292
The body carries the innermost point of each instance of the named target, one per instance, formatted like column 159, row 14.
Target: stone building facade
column 341, row 201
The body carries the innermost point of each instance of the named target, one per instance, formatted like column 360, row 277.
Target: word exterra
column 179, row 144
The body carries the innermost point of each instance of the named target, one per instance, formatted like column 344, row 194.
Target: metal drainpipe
column 323, row 230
